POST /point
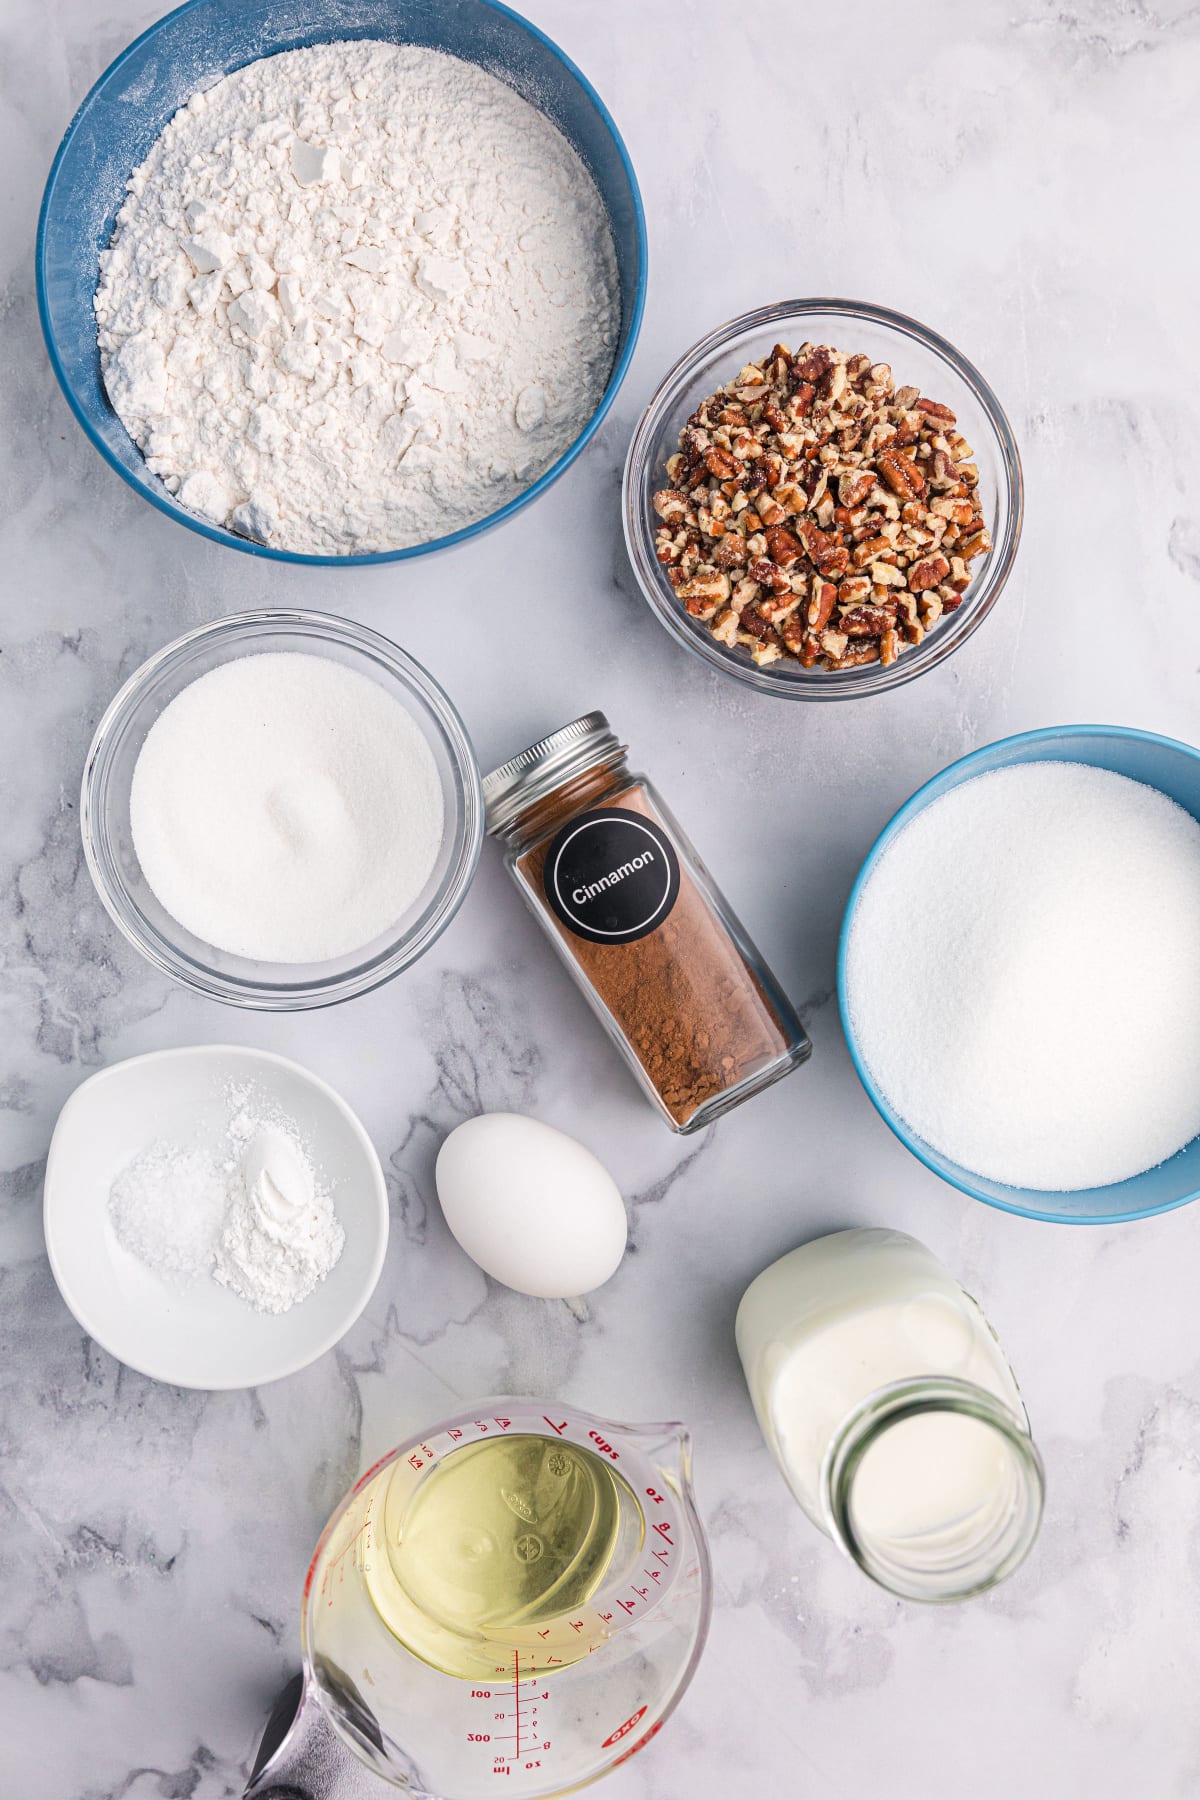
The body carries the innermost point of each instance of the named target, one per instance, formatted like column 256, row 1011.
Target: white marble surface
column 1015, row 172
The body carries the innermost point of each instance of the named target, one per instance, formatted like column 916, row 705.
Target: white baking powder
column 280, row 1235
column 286, row 808
column 1024, row 976
column 359, row 295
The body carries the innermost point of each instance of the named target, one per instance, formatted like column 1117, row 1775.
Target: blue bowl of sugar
column 1171, row 767
column 193, row 48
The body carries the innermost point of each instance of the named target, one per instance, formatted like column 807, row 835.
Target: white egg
column 532, row 1207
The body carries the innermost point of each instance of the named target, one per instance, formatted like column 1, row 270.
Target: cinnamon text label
column 611, row 876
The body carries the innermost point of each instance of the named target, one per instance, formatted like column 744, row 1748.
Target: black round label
column 611, row 876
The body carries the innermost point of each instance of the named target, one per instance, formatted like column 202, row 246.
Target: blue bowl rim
column 230, row 539
column 913, row 805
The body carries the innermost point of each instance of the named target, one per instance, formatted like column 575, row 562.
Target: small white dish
column 202, row 1335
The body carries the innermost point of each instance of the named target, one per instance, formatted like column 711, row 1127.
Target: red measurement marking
column 517, row 1692
column 454, row 1433
column 348, row 1547
column 653, row 1494
column 557, row 1429
column 664, row 1531
column 502, row 1423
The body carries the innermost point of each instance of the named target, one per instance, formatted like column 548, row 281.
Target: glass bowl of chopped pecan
column 823, row 499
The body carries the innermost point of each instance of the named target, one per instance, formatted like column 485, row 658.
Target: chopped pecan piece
column 725, row 627
column 862, row 650
column 731, row 552
column 712, row 586
column 975, row 545
column 928, row 573
column 815, row 364
column 901, row 474
column 671, row 506
column 785, row 547
column 871, row 551
column 821, row 603
column 768, row 574
column 793, row 499
column 885, row 574
column 778, row 606
column 720, row 463
column 802, row 399
column 867, row 621
column 853, row 486
column 755, row 622
column 831, row 558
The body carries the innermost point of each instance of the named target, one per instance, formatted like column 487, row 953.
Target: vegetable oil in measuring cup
column 501, row 1546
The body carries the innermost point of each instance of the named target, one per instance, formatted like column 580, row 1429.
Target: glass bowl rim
column 466, row 830
column 961, row 1178
column 803, row 684
column 143, row 484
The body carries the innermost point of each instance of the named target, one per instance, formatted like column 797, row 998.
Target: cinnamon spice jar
column 666, row 966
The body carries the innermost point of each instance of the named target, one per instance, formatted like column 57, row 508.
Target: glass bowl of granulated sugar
column 281, row 810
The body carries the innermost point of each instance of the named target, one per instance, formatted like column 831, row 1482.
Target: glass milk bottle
column 892, row 1412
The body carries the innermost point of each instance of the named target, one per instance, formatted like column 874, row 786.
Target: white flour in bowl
column 359, row 296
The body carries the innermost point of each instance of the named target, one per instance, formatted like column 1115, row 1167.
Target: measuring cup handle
column 302, row 1758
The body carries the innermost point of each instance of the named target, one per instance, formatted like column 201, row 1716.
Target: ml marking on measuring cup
column 519, row 1714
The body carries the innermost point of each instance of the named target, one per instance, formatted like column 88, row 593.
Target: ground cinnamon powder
column 695, row 1013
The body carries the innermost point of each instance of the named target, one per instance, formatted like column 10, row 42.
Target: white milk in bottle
column 892, row 1412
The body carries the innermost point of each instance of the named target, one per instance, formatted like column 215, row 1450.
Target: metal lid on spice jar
column 536, row 772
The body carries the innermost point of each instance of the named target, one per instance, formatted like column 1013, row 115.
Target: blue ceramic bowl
column 194, row 47
column 1160, row 762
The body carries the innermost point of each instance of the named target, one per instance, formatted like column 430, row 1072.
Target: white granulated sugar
column 359, row 295
column 1023, row 976
column 287, row 808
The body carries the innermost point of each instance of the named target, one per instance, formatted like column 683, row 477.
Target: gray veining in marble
column 1020, row 174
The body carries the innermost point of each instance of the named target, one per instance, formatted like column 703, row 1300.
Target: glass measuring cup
column 516, row 1599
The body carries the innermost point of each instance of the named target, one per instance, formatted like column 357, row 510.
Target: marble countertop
column 1012, row 172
